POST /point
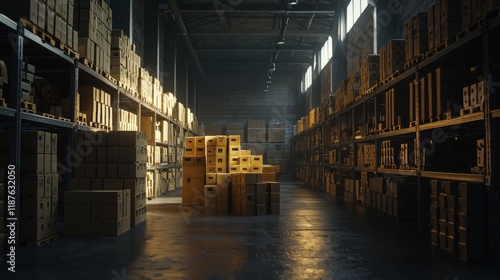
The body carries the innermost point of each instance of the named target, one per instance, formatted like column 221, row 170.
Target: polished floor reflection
column 316, row 236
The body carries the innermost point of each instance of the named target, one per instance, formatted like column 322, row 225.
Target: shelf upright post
column 116, row 110
column 491, row 151
column 72, row 111
column 418, row 153
column 17, row 41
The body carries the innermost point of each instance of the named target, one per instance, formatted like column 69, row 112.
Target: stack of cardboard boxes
column 145, row 86
column 54, row 17
column 128, row 121
column 472, row 222
column 392, row 58
column 96, row 105
column 416, row 36
column 125, row 62
column 97, row 212
column 179, row 112
column 39, row 189
column 276, row 133
column 252, row 196
column 208, row 166
column 458, row 219
column 369, row 72
column 256, row 131
column 111, row 161
column 93, row 20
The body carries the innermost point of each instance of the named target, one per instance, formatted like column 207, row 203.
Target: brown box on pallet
column 34, row 231
column 437, row 24
column 192, row 191
column 33, row 186
column 106, row 227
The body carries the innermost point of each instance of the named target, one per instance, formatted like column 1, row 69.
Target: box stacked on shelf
column 189, row 119
column 236, row 129
column 157, row 94
column 451, row 20
column 96, row 104
column 93, row 21
column 168, row 105
column 256, row 131
column 353, row 87
column 416, row 36
column 349, row 189
column 97, row 212
column 401, row 200
column 387, row 155
column 27, row 78
column 125, row 62
column 472, row 230
column 39, row 189
column 152, row 128
column 113, row 161
column 366, row 156
column 128, row 121
column 276, row 133
column 54, row 17
column 369, row 72
column 392, row 58
column 145, row 86
column 179, row 112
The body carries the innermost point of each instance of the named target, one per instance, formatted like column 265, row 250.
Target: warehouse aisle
column 315, row 237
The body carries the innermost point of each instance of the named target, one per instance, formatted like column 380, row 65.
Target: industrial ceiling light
column 273, row 66
column 293, row 2
column 281, row 40
column 268, row 81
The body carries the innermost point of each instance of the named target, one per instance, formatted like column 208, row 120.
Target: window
column 326, row 52
column 354, row 11
column 308, row 78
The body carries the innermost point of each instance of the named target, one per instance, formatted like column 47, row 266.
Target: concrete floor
column 315, row 237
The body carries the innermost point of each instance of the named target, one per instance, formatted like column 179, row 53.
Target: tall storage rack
column 55, row 65
column 442, row 137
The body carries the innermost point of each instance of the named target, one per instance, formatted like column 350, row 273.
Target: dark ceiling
column 246, row 32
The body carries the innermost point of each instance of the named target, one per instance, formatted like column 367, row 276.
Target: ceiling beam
column 254, row 62
column 246, row 32
column 253, row 49
column 259, row 8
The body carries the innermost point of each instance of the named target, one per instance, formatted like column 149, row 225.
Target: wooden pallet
column 81, row 123
column 28, row 107
column 469, row 29
column 419, row 58
column 40, row 32
column 67, row 50
column 85, row 61
column 43, row 241
column 439, row 47
column 81, row 117
column 390, row 78
column 64, row 119
column 48, row 115
column 2, row 102
column 396, row 127
column 471, row 110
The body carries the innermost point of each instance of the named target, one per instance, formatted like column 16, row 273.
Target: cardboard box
column 221, row 141
column 234, row 150
column 261, row 209
column 274, row 187
column 106, row 211
column 269, row 169
column 269, row 177
column 211, row 179
column 248, row 188
column 34, row 209
column 77, row 228
column 234, row 140
column 256, row 169
column 200, row 141
column 193, row 191
column 194, row 172
column 33, row 164
column 210, row 193
column 33, row 230
column 234, row 169
column 33, row 186
column 33, row 142
column 234, row 160
column 223, row 178
column 105, row 227
column 47, row 185
column 112, row 197
column 221, row 151
column 190, row 151
column 211, row 141
column 190, row 142
column 199, row 151
column 275, row 208
column 256, row 160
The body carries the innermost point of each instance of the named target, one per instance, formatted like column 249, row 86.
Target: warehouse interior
column 231, row 139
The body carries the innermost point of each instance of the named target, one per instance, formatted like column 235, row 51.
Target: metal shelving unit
column 53, row 64
column 476, row 48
